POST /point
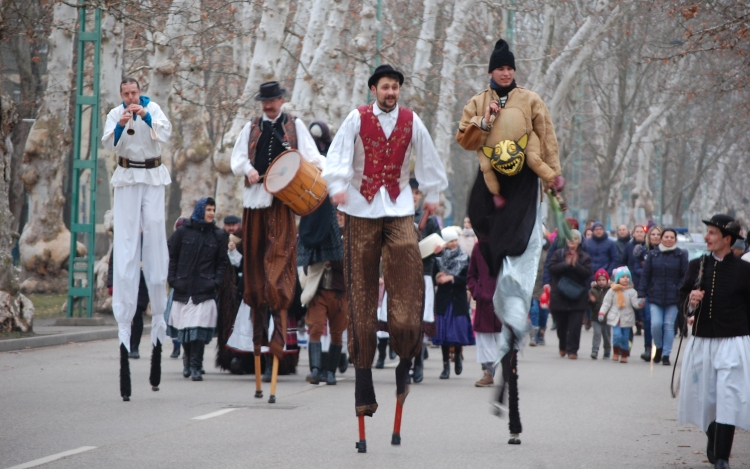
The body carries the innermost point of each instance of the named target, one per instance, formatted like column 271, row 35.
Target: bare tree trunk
column 363, row 44
column 289, row 61
column 445, row 124
column 195, row 170
column 422, row 54
column 304, row 82
column 16, row 311
column 113, row 44
column 323, row 78
column 641, row 195
column 45, row 241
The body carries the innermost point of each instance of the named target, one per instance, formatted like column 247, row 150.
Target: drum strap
column 281, row 138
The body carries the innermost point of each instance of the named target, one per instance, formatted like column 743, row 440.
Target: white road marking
column 54, row 457
column 214, row 414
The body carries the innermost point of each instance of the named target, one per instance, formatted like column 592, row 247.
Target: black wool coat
column 197, row 261
column 453, row 293
column 579, row 273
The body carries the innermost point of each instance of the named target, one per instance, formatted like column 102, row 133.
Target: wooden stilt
column 258, row 389
column 274, row 379
column 361, row 445
column 396, row 438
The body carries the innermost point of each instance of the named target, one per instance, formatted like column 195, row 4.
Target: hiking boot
column 485, row 381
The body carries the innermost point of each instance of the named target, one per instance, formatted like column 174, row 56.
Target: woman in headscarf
column 451, row 303
column 197, row 261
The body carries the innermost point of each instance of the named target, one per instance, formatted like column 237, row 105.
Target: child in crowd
column 601, row 330
column 618, row 308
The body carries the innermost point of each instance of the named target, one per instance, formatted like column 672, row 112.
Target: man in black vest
column 715, row 375
column 269, row 235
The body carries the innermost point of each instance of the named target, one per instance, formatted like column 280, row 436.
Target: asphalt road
column 576, row 414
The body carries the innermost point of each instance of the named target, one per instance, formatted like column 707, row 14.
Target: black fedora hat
column 270, row 90
column 384, row 69
column 727, row 225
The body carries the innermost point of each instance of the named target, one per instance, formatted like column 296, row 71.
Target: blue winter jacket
column 603, row 253
column 633, row 257
column 662, row 276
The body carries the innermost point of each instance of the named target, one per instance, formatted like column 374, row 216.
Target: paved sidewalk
column 48, row 334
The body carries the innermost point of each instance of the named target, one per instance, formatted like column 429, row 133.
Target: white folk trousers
column 139, row 208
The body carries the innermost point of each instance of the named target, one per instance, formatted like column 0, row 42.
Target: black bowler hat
column 232, row 219
column 384, row 69
column 727, row 225
column 270, row 90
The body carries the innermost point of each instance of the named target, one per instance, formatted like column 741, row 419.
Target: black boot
column 314, row 351
column 711, row 434
column 266, row 378
column 186, row 359
column 382, row 346
column 457, row 358
column 343, row 362
column 125, row 387
column 196, row 358
column 334, row 352
column 134, row 350
column 646, row 356
column 176, row 351
column 391, row 352
column 723, row 445
column 657, row 356
column 446, row 370
column 419, row 365
column 446, row 362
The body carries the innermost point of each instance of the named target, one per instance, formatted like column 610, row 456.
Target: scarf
column 663, row 248
column 502, row 90
column 618, row 289
column 199, row 213
column 453, row 261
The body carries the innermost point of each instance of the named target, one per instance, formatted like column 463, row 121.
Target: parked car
column 694, row 249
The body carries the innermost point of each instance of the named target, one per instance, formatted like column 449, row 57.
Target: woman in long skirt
column 451, row 303
column 197, row 262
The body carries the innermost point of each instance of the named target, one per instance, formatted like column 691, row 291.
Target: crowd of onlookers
column 615, row 286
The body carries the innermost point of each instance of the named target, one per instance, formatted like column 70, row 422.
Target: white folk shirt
column 339, row 171
column 255, row 195
column 139, row 147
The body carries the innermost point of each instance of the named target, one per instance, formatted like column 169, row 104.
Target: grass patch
column 48, row 305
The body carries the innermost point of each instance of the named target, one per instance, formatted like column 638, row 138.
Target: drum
column 296, row 182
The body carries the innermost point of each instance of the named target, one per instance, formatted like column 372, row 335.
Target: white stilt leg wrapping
column 137, row 207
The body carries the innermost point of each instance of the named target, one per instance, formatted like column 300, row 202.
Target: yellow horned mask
column 507, row 157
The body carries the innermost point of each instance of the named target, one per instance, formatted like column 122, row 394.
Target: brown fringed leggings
column 269, row 237
column 365, row 240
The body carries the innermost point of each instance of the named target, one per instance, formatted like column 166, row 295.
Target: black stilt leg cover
column 711, row 434
column 155, row 376
column 402, row 379
column 724, row 439
column 510, row 376
column 124, row 373
column 364, row 392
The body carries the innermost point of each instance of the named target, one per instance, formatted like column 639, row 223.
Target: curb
column 10, row 345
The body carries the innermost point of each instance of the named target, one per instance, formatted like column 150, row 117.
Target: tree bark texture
column 45, row 241
column 16, row 311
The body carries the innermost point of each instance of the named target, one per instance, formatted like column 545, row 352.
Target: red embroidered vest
column 384, row 157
